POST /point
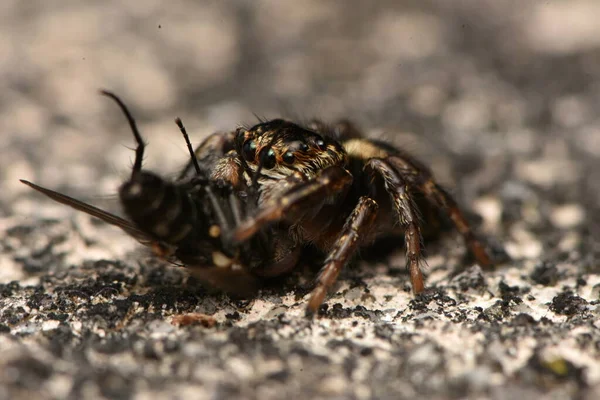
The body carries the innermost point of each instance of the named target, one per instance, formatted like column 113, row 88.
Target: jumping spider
column 250, row 200
column 335, row 189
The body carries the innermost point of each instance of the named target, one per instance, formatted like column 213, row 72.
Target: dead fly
column 250, row 201
column 186, row 220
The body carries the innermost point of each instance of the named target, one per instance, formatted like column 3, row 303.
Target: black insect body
column 185, row 220
column 250, row 201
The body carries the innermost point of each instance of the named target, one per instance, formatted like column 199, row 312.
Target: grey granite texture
column 501, row 98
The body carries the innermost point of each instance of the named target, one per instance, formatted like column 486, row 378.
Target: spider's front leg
column 356, row 227
column 398, row 189
column 303, row 198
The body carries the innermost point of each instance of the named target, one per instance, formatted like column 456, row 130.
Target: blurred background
column 497, row 90
column 500, row 97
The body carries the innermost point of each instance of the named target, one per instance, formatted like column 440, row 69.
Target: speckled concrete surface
column 501, row 100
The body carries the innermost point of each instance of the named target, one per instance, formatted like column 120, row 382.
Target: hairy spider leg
column 357, row 224
column 398, row 189
column 299, row 199
column 423, row 181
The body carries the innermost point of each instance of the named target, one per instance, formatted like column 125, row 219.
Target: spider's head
column 284, row 148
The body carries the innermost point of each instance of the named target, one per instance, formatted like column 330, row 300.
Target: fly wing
column 105, row 216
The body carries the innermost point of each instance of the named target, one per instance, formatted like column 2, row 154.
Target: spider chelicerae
column 250, row 200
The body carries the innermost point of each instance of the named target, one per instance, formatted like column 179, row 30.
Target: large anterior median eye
column 249, row 150
column 288, row 157
column 267, row 158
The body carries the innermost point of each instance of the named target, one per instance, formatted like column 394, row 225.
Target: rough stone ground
column 500, row 97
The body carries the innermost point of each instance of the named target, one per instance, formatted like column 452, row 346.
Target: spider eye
column 267, row 158
column 288, row 157
column 303, row 147
column 320, row 143
column 249, row 150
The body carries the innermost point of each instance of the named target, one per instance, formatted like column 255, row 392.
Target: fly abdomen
column 163, row 209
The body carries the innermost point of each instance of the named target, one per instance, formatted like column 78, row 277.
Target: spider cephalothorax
column 281, row 148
